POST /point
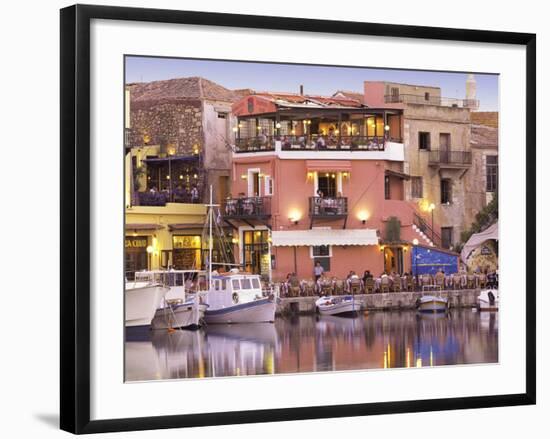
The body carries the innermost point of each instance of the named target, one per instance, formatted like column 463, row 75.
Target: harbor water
column 315, row 343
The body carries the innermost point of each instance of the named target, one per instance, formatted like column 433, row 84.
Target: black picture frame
column 75, row 217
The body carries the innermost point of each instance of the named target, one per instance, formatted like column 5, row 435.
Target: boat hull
column 257, row 311
column 141, row 304
column 185, row 315
column 486, row 302
column 432, row 304
column 350, row 308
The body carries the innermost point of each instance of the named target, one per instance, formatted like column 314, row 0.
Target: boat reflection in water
column 315, row 344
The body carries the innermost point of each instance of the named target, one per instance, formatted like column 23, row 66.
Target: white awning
column 324, row 237
column 477, row 239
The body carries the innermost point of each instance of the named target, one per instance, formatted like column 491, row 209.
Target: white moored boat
column 237, row 297
column 338, row 305
column 181, row 307
column 488, row 300
column 141, row 300
column 429, row 303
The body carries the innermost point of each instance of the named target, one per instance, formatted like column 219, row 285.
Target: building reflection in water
column 314, row 344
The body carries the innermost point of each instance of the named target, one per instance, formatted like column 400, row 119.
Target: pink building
column 319, row 179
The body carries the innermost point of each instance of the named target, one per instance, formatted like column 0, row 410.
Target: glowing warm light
column 386, row 127
column 405, row 248
column 235, row 129
column 269, row 239
column 150, row 249
column 363, row 216
column 195, row 176
column 310, row 175
column 258, row 127
column 431, row 207
column 167, row 177
column 235, row 240
column 336, row 132
column 240, row 125
column 181, row 177
column 244, row 176
column 277, row 125
column 382, row 248
column 146, row 138
column 294, row 216
column 415, row 241
column 419, row 362
column 345, row 175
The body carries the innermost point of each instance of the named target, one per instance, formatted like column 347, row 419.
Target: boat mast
column 210, row 214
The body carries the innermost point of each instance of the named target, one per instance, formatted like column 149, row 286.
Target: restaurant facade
column 319, row 179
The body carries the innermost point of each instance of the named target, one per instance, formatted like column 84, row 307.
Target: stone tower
column 471, row 100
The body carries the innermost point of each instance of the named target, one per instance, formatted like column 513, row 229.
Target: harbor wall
column 380, row 301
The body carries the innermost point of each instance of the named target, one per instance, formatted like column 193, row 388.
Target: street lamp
column 431, row 208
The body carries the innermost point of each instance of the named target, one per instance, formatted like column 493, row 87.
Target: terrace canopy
column 477, row 239
column 317, row 237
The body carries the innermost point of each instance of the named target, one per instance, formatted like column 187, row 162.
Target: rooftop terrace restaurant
column 273, row 121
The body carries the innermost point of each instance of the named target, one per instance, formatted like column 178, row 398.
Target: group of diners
column 387, row 282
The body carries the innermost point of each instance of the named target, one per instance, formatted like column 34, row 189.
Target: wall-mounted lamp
column 345, row 174
column 363, row 216
column 235, row 129
column 294, row 217
column 244, row 176
column 310, row 175
column 277, row 125
column 386, row 127
column 381, row 248
column 405, row 248
column 235, row 240
column 415, row 241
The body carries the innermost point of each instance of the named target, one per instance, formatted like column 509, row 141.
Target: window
column 235, row 283
column 417, row 187
column 268, row 185
column 222, row 115
column 186, row 252
column 446, row 192
column 426, row 96
column 446, row 237
column 245, row 284
column 424, row 140
column 491, row 166
column 322, row 254
column 387, row 192
column 255, row 283
column 326, row 183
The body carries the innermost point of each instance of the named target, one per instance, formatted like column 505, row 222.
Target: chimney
column 301, row 89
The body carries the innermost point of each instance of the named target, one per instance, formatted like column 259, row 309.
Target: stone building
column 176, row 138
column 438, row 157
column 482, row 181
column 184, row 117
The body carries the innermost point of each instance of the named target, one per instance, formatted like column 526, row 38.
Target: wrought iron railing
column 427, row 229
column 333, row 143
column 247, row 207
column 253, row 144
column 160, row 198
column 445, row 157
column 328, row 206
column 431, row 100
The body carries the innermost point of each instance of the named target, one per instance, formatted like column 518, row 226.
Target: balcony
column 328, row 208
column 255, row 144
column 450, row 159
column 431, row 100
column 163, row 197
column 334, row 143
column 247, row 208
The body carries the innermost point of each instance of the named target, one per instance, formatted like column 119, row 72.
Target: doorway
column 326, row 184
column 444, row 147
column 393, row 260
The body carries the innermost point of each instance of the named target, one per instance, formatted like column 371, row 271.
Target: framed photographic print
column 274, row 218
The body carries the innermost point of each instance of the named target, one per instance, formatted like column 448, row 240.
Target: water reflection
column 315, row 343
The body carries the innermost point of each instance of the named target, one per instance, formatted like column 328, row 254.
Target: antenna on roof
column 301, row 89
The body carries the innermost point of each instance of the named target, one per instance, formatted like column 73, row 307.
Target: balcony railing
column 326, row 207
column 247, row 207
column 453, row 158
column 163, row 197
column 427, row 229
column 431, row 100
column 333, row 143
column 252, row 144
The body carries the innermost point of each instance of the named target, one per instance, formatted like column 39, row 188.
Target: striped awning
column 328, row 165
column 143, row 226
column 315, row 237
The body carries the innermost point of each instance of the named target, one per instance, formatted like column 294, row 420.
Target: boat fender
column 235, row 298
column 491, row 297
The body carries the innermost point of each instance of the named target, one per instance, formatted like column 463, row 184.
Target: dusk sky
column 320, row 80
